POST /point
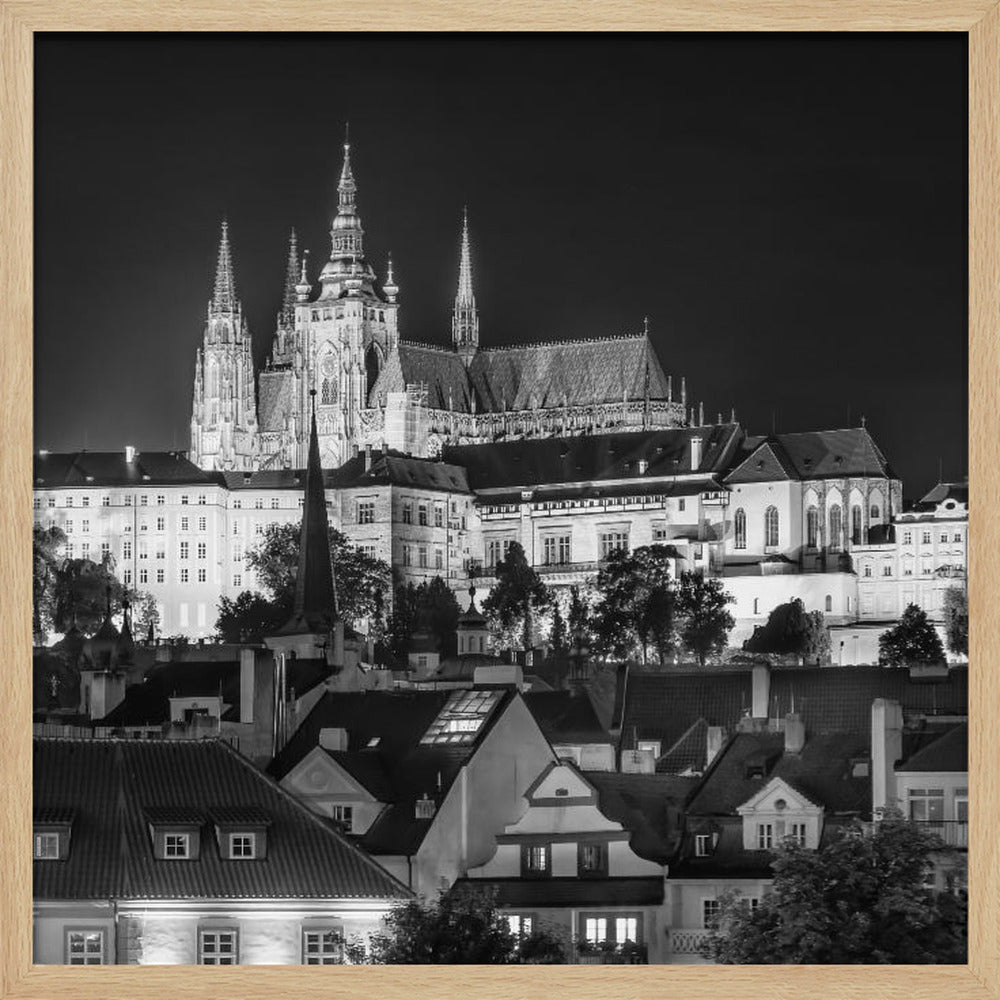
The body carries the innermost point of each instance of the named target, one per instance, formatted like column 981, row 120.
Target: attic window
column 780, row 804
column 755, row 769
column 562, row 791
column 242, row 845
column 46, row 846
column 373, row 742
column 760, row 464
column 462, row 717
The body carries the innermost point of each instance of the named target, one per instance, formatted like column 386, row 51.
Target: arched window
column 875, row 512
column 373, row 365
column 740, row 528
column 771, row 526
column 836, row 528
column 812, row 528
column 855, row 525
column 829, row 603
column 328, row 394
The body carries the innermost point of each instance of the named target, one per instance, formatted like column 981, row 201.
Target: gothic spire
column 315, row 607
column 224, row 297
column 291, row 280
column 465, row 318
column 346, row 233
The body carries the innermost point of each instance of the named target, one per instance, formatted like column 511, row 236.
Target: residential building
column 182, row 852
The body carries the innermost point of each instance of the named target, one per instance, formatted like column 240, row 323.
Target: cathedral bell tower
column 465, row 317
column 224, row 414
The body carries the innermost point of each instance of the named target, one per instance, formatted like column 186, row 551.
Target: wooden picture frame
column 19, row 19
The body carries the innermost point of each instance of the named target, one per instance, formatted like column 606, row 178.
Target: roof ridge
column 563, row 342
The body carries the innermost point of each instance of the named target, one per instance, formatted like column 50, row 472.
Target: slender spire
column 347, row 233
column 291, row 280
column 315, row 607
column 465, row 318
column 390, row 287
column 224, row 297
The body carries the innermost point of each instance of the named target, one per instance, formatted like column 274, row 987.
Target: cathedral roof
column 528, row 377
column 570, row 372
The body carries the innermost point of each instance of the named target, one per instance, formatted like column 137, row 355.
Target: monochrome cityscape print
column 500, row 500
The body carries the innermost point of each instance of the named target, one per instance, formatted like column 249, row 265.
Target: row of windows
column 160, row 525
column 425, row 510
column 926, row 536
column 216, row 946
column 591, row 860
column 160, row 576
column 422, row 556
column 142, row 500
column 927, row 566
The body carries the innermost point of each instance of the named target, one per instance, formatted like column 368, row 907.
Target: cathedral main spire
column 291, row 280
column 346, row 233
column 224, row 296
column 465, row 317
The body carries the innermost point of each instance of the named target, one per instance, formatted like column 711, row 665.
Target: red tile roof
column 113, row 785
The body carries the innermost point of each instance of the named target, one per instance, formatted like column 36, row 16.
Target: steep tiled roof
column 274, row 398
column 55, row 470
column 811, row 455
column 439, row 369
column 959, row 492
column 598, row 457
column 650, row 806
column 572, row 372
column 822, row 771
column 148, row 703
column 523, row 892
column 407, row 769
column 662, row 706
column 949, row 752
column 112, row 784
column 566, row 717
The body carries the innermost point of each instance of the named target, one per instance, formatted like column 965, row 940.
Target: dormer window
column 702, row 845
column 46, row 847
column 177, row 845
column 242, row 845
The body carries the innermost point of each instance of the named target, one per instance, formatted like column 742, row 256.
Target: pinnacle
column 224, row 296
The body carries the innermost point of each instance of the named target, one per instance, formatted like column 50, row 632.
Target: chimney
column 761, row 691
column 695, row 453
column 714, row 738
column 887, row 748
column 368, row 457
column 130, row 453
column 795, row 733
column 333, row 739
column 246, row 684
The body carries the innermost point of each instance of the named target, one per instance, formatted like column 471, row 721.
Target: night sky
column 789, row 211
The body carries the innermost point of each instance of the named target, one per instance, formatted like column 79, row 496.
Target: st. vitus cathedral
column 372, row 388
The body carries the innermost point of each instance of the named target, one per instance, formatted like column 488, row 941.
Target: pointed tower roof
column 224, row 296
column 291, row 280
column 465, row 295
column 315, row 606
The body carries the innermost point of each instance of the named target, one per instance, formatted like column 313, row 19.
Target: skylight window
column 462, row 717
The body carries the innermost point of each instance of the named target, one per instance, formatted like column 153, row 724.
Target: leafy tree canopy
column 431, row 605
column 251, row 617
column 912, row 640
column 463, row 927
column 791, row 630
column 362, row 581
column 516, row 599
column 704, row 621
column 860, row 899
column 956, row 620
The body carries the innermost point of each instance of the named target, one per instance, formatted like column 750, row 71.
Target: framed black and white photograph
column 500, row 497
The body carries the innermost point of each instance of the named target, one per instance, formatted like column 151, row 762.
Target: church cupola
column 465, row 318
column 390, row 287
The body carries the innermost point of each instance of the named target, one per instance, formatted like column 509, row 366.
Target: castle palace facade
column 341, row 341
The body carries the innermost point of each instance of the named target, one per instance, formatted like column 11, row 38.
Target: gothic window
column 373, row 365
column 836, row 528
column 771, row 527
column 740, row 528
column 812, row 528
column 328, row 394
column 855, row 525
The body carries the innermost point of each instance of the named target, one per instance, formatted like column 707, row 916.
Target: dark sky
column 789, row 211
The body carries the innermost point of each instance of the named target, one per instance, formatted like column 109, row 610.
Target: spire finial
column 305, row 260
column 224, row 296
column 291, row 278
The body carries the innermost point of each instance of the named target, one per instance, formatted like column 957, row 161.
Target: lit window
column 322, row 947
column 536, row 859
column 176, row 845
column 702, row 845
column 242, row 845
column 344, row 815
column 462, row 717
column 765, row 836
column 85, row 947
column 217, row 947
column 595, row 929
column 46, row 846
column 626, row 929
column 520, row 924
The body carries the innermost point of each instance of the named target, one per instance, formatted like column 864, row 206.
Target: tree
column 703, row 619
column 47, row 546
column 637, row 603
column 912, row 640
column 431, row 605
column 516, row 598
column 557, row 634
column 251, row 617
column 859, row 899
column 956, row 620
column 362, row 581
column 791, row 630
column 80, row 594
column 145, row 613
column 463, row 927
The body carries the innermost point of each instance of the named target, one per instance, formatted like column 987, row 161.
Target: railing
column 954, row 832
column 687, row 941
column 633, row 955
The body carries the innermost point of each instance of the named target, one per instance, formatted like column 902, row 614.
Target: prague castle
column 374, row 389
